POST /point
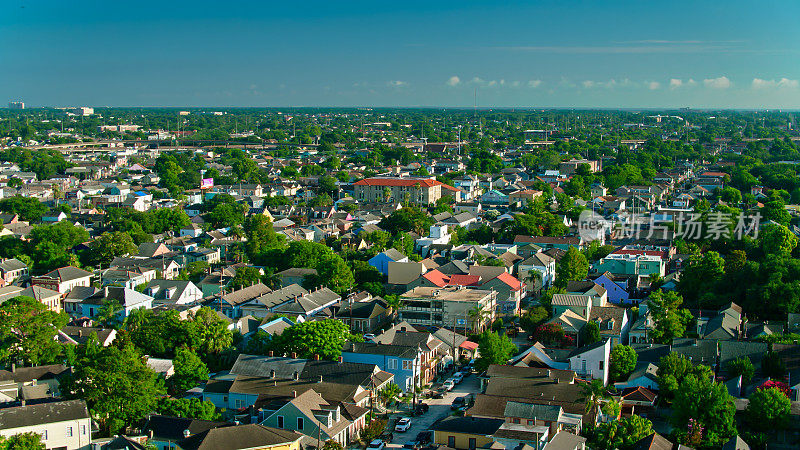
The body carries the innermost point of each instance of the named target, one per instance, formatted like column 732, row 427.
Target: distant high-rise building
column 83, row 111
column 16, row 105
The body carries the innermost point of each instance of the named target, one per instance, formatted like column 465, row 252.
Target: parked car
column 421, row 408
column 458, row 377
column 458, row 402
column 424, row 437
column 376, row 444
column 449, row 384
column 412, row 445
column 402, row 425
column 439, row 393
column 369, row 337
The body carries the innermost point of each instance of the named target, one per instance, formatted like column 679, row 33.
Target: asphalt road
column 438, row 408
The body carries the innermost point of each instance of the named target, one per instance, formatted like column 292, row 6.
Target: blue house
column 395, row 359
column 381, row 260
column 616, row 290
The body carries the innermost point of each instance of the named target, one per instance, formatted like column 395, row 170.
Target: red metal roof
column 464, row 280
column 398, row 182
column 437, row 278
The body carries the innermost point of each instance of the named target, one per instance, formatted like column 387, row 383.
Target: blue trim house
column 381, row 260
column 398, row 360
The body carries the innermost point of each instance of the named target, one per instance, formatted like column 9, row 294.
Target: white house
column 591, row 361
column 66, row 425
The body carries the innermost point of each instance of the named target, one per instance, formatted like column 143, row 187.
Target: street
column 439, row 408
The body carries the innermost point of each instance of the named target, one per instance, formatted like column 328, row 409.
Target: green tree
column 533, row 318
column 590, row 333
column 768, row 409
column 593, row 394
column 669, row 319
column 189, row 408
column 572, row 266
column 117, row 385
column 777, row 240
column 702, row 399
column 189, row 370
column 321, row 337
column 245, row 276
column 494, row 349
column 330, row 444
column 28, row 330
column 111, row 244
column 622, row 434
column 407, row 219
column 22, row 441
column 673, row 369
column 741, row 366
column 623, row 361
column 29, row 209
column 334, row 273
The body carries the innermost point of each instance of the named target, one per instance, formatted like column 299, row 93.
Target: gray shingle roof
column 43, row 413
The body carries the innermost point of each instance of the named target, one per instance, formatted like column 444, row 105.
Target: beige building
column 419, row 191
column 65, row 425
column 571, row 166
column 452, row 306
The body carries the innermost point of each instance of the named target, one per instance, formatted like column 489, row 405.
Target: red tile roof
column 464, row 280
column 437, row 278
column 510, row 280
column 398, row 182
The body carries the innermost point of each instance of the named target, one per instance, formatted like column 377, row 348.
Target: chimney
column 272, row 373
column 293, row 355
column 294, row 394
column 296, row 375
column 271, row 353
column 341, row 359
column 316, row 357
column 150, row 434
column 320, row 379
column 22, row 402
column 13, row 367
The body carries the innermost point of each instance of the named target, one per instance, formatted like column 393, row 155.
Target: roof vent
column 187, row 433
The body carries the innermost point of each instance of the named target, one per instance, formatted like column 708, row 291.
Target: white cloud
column 453, row 81
column 534, row 83
column 653, row 85
column 718, row 83
column 492, row 83
column 397, row 83
column 691, row 82
column 588, row 84
column 675, row 83
column 759, row 83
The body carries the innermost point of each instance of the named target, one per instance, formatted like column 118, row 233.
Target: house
column 173, row 291
column 465, row 433
column 365, row 316
column 192, row 230
column 63, row 279
column 32, row 383
column 631, row 264
column 449, row 306
column 311, row 415
column 295, row 275
column 401, row 361
column 644, row 375
column 51, row 299
column 128, row 300
column 573, row 312
column 566, row 441
column 548, row 242
column 615, row 289
column 65, row 424
column 382, row 259
column 419, row 191
column 78, row 335
column 591, row 361
column 11, row 269
column 251, row 436
column 230, row 303
column 541, row 263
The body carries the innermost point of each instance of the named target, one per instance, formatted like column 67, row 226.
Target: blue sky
column 605, row 54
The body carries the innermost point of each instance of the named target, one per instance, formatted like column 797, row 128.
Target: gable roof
column 68, row 273
column 239, row 437
column 42, row 413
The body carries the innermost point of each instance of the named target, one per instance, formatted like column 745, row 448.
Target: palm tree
column 533, row 277
column 593, row 393
column 394, row 302
column 476, row 315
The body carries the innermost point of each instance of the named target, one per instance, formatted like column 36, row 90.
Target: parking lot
column 439, row 408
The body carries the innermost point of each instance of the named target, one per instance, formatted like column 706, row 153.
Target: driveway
column 439, row 408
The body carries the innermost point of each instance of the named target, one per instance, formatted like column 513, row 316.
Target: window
column 392, row 364
column 407, row 364
column 44, row 435
column 601, row 365
column 451, row 441
column 583, row 366
column 280, row 421
column 531, row 422
column 473, row 443
column 69, row 431
column 83, row 429
column 299, row 423
column 515, row 420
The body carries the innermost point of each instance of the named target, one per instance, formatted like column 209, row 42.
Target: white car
column 376, row 444
column 402, row 425
column 458, row 377
column 369, row 337
column 449, row 384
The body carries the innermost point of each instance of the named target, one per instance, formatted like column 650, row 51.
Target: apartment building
column 451, row 306
column 419, row 191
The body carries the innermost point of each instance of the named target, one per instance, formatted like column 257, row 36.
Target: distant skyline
column 538, row 54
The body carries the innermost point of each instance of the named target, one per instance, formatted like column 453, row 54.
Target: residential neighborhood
column 333, row 280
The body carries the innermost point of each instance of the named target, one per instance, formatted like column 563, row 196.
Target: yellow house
column 466, row 432
column 243, row 437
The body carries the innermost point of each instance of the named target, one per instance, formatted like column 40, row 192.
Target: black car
column 424, row 437
column 412, row 445
column 458, row 402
